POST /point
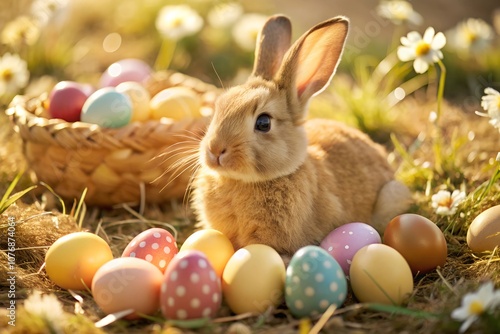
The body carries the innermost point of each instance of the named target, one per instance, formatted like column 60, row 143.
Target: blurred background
column 78, row 39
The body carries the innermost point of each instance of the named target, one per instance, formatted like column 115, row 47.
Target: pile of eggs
column 121, row 98
column 192, row 282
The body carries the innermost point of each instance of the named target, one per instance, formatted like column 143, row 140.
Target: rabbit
column 268, row 175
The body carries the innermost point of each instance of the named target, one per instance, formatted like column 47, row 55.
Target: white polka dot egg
column 154, row 245
column 314, row 281
column 343, row 242
column 190, row 288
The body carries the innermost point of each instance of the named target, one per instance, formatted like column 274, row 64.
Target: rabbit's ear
column 272, row 43
column 311, row 62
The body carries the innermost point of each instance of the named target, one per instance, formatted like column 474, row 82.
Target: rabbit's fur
column 290, row 186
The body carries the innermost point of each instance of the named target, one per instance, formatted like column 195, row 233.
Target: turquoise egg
column 314, row 281
column 107, row 108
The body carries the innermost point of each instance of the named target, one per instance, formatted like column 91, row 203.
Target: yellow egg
column 379, row 274
column 253, row 279
column 139, row 96
column 215, row 245
column 176, row 103
column 73, row 259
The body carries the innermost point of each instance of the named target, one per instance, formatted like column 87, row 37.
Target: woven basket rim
column 71, row 135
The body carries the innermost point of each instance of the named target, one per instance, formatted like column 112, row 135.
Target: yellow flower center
column 422, row 48
column 447, row 202
column 6, row 75
column 476, row 308
column 498, row 101
column 177, row 22
column 470, row 36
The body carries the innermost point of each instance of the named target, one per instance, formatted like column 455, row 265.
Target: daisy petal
column 439, row 41
column 429, row 35
column 466, row 324
column 420, row 65
column 406, row 53
column 490, row 91
column 413, row 37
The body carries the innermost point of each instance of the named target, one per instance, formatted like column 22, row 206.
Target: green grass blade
column 56, row 195
column 6, row 203
column 10, row 189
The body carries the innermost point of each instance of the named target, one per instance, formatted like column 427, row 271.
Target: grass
column 363, row 95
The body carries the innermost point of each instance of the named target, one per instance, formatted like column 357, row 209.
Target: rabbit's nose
column 215, row 156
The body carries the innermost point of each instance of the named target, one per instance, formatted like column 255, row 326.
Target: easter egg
column 127, row 283
column 215, row 245
column 253, row 279
column 379, row 274
column 139, row 96
column 343, row 242
column 419, row 240
column 67, row 99
column 125, row 70
column 154, row 245
column 484, row 231
column 176, row 103
column 107, row 108
column 73, row 259
column 314, row 281
column 190, row 288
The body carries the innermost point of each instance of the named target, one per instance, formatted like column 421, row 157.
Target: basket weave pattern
column 112, row 164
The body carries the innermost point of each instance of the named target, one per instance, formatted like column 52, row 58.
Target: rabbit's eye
column 263, row 123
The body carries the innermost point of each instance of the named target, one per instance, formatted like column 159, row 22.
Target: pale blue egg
column 314, row 281
column 107, row 108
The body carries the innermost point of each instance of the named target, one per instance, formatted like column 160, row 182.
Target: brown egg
column 484, row 231
column 419, row 240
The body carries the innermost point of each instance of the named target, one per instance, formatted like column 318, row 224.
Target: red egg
column 190, row 288
column 66, row 100
column 125, row 70
column 419, row 240
column 155, row 245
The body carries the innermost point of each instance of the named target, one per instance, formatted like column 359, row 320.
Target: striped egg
column 190, row 289
column 154, row 245
column 314, row 281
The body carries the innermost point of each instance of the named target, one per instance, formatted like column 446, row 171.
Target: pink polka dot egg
column 155, row 245
column 314, row 281
column 190, row 288
column 343, row 242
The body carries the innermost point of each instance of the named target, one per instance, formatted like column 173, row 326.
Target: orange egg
column 419, row 240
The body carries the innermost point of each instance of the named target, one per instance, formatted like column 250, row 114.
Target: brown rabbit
column 267, row 175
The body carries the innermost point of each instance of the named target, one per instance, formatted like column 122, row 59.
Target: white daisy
column 23, row 30
column 14, row 74
column 424, row 51
column 44, row 10
column 177, row 22
column 475, row 304
column 491, row 104
column 225, row 14
column 48, row 308
column 472, row 35
column 246, row 30
column 399, row 12
column 447, row 203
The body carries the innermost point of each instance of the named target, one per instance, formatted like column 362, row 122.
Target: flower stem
column 438, row 140
column 165, row 55
column 442, row 78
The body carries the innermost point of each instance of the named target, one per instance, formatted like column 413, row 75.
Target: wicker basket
column 113, row 164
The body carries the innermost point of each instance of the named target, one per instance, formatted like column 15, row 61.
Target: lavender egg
column 125, row 70
column 343, row 242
